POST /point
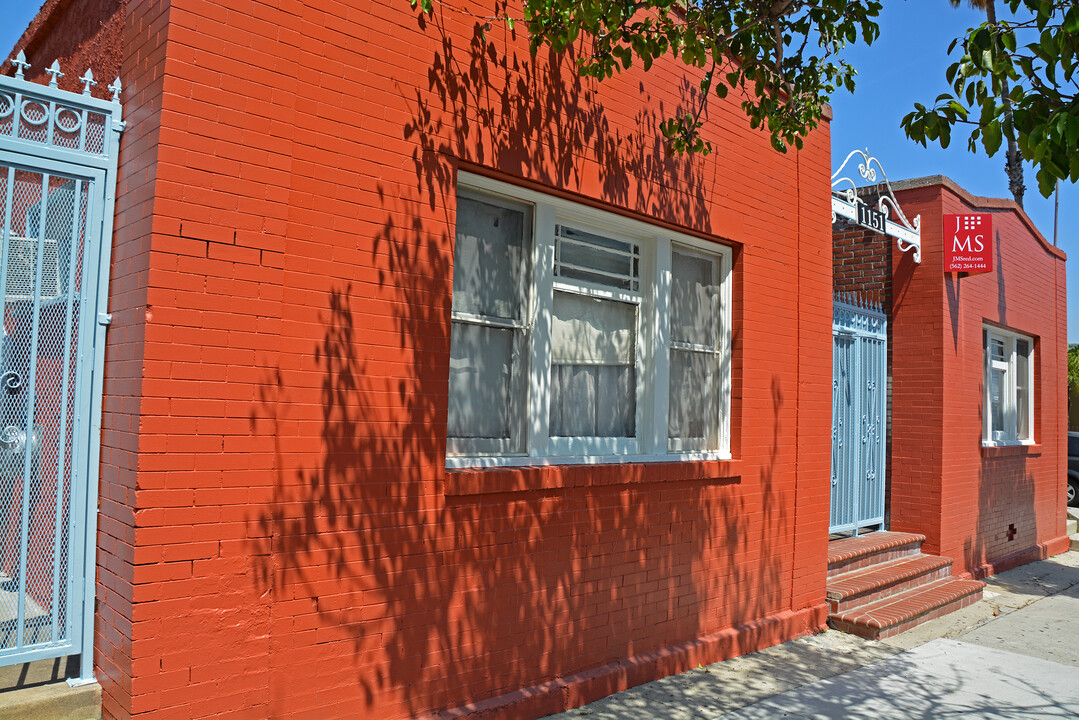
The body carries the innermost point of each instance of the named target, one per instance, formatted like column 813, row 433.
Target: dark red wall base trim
column 584, row 687
column 1038, row 552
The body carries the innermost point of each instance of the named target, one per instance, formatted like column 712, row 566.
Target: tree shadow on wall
column 534, row 118
column 425, row 600
column 1007, row 522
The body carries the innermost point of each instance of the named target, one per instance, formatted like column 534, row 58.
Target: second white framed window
column 1008, row 416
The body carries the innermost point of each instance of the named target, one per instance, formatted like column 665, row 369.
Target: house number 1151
column 870, row 218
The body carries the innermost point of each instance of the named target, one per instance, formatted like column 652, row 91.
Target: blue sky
column 906, row 65
column 15, row 15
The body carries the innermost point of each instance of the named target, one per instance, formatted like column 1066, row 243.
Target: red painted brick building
column 987, row 496
column 305, row 512
column 280, row 535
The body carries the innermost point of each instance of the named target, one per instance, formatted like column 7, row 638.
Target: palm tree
column 1013, row 161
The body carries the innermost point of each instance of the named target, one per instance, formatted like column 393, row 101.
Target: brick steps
column 895, row 614
column 853, row 553
column 884, row 580
column 881, row 584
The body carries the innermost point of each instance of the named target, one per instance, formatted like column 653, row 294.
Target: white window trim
column 1009, row 392
column 653, row 370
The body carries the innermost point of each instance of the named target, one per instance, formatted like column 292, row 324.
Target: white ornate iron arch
column 846, row 203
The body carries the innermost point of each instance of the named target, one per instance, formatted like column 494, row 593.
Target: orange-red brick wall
column 915, row 334
column 103, row 36
column 988, row 508
column 123, row 654
column 287, row 541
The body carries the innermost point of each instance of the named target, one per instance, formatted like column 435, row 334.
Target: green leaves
column 991, row 138
column 782, row 60
column 1015, row 81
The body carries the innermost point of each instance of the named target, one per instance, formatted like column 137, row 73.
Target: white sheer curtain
column 488, row 260
column 487, row 332
column 693, row 416
column 593, row 371
column 481, row 380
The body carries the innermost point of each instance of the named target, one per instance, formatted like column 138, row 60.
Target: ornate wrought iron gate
column 859, row 414
column 57, row 176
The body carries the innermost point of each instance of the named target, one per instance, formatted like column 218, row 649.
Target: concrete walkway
column 1015, row 654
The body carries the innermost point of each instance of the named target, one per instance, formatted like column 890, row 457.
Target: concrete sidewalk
column 1015, row 654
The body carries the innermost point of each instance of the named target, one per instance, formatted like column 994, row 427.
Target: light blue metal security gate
column 57, row 176
column 859, row 414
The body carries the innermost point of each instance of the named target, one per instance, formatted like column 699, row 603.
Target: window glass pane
column 997, row 349
column 591, row 331
column 581, row 255
column 694, row 400
column 996, row 403
column 1022, row 389
column 480, row 381
column 593, row 401
column 694, row 300
column 593, row 372
column 488, row 259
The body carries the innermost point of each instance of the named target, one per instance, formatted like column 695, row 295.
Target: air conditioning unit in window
column 22, row 264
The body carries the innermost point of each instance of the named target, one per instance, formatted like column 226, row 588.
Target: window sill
column 1000, row 449
column 484, row 481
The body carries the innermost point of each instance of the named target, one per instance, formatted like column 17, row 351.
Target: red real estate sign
column 968, row 243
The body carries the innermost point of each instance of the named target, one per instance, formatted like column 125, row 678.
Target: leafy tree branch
column 782, row 57
column 1015, row 81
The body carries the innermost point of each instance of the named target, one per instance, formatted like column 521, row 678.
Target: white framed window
column 488, row 328
column 696, row 350
column 1009, row 381
column 579, row 335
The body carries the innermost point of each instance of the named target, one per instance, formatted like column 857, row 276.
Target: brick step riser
column 864, row 561
column 883, row 633
column 894, row 588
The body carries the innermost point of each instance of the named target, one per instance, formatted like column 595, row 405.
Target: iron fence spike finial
column 20, row 64
column 54, row 73
column 115, row 90
column 87, row 81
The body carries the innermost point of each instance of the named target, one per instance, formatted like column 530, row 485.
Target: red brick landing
column 881, row 584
